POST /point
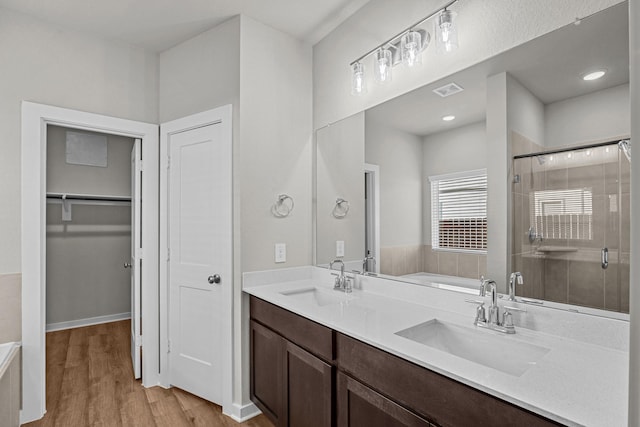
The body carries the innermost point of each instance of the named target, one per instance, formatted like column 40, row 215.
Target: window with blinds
column 459, row 211
column 563, row 214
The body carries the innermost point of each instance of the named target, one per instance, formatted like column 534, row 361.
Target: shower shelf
column 556, row 249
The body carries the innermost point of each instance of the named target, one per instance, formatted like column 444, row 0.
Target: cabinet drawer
column 307, row 334
column 358, row 405
column 440, row 399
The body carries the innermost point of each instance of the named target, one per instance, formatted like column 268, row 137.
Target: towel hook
column 341, row 208
column 283, row 206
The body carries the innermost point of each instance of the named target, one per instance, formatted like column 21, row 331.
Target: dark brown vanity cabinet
column 293, row 386
column 304, row 374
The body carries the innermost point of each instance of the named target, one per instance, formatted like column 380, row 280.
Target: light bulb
column 446, row 32
column 411, row 47
column 357, row 79
column 383, row 65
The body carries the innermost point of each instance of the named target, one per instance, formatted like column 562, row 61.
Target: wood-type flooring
column 90, row 383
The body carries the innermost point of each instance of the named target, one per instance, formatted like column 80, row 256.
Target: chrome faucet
column 493, row 320
column 515, row 277
column 342, row 281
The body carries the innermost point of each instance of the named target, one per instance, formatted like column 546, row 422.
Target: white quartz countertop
column 575, row 382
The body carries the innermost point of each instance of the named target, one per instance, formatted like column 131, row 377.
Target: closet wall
column 85, row 256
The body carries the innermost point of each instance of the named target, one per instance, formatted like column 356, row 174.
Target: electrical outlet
column 281, row 252
column 339, row 247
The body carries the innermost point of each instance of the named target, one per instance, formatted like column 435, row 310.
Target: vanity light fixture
column 383, row 65
column 411, row 48
column 448, row 118
column 357, row 79
column 406, row 47
column 445, row 30
column 594, row 75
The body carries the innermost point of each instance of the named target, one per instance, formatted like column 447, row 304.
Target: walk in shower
column 571, row 219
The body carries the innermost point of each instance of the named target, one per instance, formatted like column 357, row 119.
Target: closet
column 88, row 228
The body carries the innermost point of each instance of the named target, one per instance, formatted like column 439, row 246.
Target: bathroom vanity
column 375, row 357
column 307, row 361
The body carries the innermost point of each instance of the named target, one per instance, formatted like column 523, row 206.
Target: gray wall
column 457, row 150
column 272, row 136
column 482, row 34
column 340, row 173
column 85, row 256
column 399, row 155
column 114, row 180
column 47, row 64
column 10, row 307
column 594, row 117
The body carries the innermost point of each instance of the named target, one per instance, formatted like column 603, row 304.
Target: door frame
column 221, row 115
column 374, row 172
column 35, row 118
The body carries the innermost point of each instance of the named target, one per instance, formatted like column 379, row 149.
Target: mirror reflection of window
column 459, row 211
column 563, row 214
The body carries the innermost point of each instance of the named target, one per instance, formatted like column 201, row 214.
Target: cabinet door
column 310, row 386
column 358, row 405
column 267, row 376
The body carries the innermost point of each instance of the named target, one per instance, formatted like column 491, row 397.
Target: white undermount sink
column 499, row 352
column 318, row 296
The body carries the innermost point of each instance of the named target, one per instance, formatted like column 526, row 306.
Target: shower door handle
column 604, row 256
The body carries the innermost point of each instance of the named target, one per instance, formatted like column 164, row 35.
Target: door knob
column 214, row 279
column 127, row 265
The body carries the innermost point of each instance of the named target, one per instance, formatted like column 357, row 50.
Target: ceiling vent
column 448, row 90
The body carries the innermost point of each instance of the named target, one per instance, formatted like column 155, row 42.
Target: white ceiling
column 160, row 24
column 550, row 66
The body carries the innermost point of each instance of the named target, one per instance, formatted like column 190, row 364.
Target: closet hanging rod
column 88, row 197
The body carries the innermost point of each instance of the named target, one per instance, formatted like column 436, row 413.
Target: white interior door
column 136, row 256
column 200, row 230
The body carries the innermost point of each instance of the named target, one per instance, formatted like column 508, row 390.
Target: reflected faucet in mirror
column 365, row 263
column 515, row 277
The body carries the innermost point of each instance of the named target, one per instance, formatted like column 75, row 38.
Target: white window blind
column 459, row 211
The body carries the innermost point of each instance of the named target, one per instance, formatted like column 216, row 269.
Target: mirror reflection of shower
column 571, row 210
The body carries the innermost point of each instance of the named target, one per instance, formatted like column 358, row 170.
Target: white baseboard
column 242, row 413
column 87, row 322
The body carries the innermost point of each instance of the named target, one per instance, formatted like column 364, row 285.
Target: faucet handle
column 480, row 314
column 507, row 319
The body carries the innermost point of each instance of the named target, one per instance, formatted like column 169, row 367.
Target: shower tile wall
column 566, row 269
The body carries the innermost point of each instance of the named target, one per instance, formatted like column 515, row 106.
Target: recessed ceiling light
column 448, row 118
column 595, row 75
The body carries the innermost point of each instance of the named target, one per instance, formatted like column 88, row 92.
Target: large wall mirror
column 401, row 188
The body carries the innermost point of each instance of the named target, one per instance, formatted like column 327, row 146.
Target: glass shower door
column 571, row 226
